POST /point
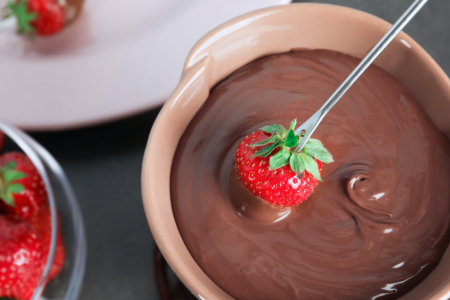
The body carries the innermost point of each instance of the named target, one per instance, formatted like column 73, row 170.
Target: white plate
column 119, row 58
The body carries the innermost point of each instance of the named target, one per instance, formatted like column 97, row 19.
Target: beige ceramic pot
column 244, row 39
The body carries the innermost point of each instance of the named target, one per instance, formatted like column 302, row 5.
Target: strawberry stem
column 288, row 140
column 8, row 183
column 23, row 17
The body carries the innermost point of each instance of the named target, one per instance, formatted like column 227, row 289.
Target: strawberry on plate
column 42, row 223
column 269, row 166
column 40, row 17
column 20, row 259
column 22, row 190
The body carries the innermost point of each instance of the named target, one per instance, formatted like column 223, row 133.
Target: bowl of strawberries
column 42, row 237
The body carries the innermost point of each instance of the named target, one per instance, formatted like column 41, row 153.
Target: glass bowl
column 62, row 199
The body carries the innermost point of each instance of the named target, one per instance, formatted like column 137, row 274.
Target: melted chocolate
column 376, row 226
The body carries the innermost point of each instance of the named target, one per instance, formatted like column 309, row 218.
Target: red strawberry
column 41, row 17
column 42, row 223
column 2, row 139
column 24, row 195
column 21, row 187
column 20, row 258
column 269, row 166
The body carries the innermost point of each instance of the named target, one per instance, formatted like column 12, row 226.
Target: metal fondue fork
column 311, row 124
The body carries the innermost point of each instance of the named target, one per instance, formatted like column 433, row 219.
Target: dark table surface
column 104, row 165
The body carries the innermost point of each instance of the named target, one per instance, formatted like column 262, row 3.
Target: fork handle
column 373, row 54
column 358, row 71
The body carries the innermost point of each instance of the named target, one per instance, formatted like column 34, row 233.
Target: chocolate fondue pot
column 251, row 36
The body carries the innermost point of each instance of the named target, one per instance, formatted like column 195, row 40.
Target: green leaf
column 272, row 139
column 293, row 124
column 297, row 164
column 319, row 152
column 314, row 142
column 10, row 166
column 280, row 159
column 12, row 175
column 8, row 199
column 15, row 188
column 274, row 128
column 311, row 165
column 291, row 139
column 267, row 150
column 23, row 16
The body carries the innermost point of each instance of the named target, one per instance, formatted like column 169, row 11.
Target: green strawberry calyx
column 24, row 17
column 287, row 140
column 8, row 182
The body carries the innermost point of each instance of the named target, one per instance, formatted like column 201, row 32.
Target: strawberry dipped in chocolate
column 36, row 17
column 270, row 167
column 41, row 17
